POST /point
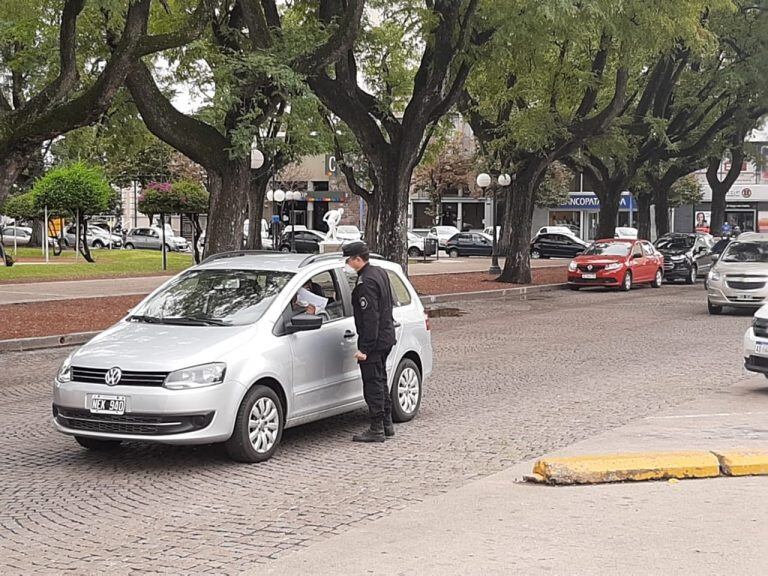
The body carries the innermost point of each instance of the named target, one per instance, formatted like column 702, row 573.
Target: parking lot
column 513, row 380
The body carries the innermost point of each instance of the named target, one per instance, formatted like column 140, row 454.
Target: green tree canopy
column 77, row 188
column 21, row 207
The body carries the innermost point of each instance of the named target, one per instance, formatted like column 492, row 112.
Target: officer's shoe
column 373, row 434
column 389, row 430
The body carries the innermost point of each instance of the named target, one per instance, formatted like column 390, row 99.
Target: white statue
column 332, row 219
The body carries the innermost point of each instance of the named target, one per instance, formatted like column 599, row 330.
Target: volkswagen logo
column 112, row 377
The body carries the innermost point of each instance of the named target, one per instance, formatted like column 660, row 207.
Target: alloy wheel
column 408, row 390
column 263, row 425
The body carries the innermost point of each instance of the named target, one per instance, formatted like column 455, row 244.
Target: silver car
column 739, row 279
column 151, row 238
column 96, row 237
column 225, row 352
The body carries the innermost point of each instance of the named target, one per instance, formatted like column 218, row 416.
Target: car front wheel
column 453, row 253
column 285, row 248
column 414, row 252
column 535, row 254
column 128, row 246
column 714, row 309
column 626, row 283
column 406, row 391
column 98, row 244
column 657, row 279
column 258, row 427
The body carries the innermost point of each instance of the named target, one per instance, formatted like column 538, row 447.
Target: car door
column 702, row 255
column 639, row 263
column 325, row 372
column 547, row 245
column 484, row 246
column 572, row 248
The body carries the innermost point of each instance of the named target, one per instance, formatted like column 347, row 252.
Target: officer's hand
column 360, row 356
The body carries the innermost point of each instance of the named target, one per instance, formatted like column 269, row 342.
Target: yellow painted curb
column 626, row 467
column 743, row 463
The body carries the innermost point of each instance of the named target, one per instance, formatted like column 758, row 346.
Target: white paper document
column 305, row 298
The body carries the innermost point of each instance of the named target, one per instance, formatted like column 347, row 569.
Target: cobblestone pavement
column 513, row 380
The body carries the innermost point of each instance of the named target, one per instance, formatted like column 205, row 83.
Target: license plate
column 101, row 404
column 761, row 348
column 742, row 297
column 589, row 275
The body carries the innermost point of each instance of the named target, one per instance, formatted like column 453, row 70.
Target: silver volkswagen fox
column 227, row 351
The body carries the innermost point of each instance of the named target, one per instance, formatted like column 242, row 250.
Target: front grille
column 594, row 281
column 128, row 378
column 137, row 424
column 591, row 267
column 744, row 285
column 668, row 265
column 758, row 361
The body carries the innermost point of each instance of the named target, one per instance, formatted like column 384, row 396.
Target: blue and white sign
column 590, row 201
column 275, row 219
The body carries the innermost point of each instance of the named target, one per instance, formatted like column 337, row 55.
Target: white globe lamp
column 279, row 196
column 505, row 179
column 483, row 180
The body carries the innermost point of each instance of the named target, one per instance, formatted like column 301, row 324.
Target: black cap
column 358, row 248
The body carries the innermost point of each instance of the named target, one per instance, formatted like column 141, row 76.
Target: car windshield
column 221, row 297
column 608, row 249
column 676, row 243
column 746, row 252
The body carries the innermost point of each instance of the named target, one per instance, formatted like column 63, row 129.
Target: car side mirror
column 636, row 256
column 304, row 323
column 715, row 256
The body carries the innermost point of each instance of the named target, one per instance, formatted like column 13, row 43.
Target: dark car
column 557, row 246
column 687, row 256
column 469, row 244
column 306, row 241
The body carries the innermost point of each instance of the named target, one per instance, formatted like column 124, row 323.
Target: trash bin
column 430, row 246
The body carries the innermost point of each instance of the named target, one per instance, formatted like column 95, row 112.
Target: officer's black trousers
column 375, row 392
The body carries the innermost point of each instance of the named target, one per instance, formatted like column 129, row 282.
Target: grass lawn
column 30, row 265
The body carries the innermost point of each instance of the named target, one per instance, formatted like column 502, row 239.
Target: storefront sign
column 590, row 201
column 331, row 166
column 740, row 193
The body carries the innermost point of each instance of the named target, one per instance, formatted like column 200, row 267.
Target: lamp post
column 292, row 196
column 483, row 181
column 504, row 180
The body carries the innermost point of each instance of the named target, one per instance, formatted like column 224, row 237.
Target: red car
column 617, row 262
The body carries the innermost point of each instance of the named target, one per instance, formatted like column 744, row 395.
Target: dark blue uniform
column 372, row 305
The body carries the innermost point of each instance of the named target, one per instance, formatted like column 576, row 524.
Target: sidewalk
column 499, row 525
column 70, row 289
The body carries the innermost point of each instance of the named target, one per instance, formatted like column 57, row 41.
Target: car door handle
column 349, row 334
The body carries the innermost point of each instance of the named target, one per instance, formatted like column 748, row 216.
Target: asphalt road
column 513, row 380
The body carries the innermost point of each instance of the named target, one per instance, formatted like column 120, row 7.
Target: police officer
column 372, row 306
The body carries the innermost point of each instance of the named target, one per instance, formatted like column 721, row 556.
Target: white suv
column 225, row 352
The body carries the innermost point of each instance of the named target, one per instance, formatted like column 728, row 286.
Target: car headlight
column 65, row 372
column 573, row 266
column 196, row 376
column 614, row 266
column 714, row 275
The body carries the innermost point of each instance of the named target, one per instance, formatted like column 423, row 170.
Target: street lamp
column 484, row 181
column 292, row 196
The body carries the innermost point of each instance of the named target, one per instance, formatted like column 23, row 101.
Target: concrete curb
column 41, row 342
column 602, row 469
column 520, row 293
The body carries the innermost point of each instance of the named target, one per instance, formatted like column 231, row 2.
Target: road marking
column 714, row 414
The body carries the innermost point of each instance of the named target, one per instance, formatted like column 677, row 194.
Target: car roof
column 278, row 261
column 620, row 240
column 752, row 237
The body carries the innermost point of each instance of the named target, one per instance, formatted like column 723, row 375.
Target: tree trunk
column 196, row 233
column 644, row 215
column 226, row 213
column 36, row 240
column 661, row 209
column 256, row 211
column 85, row 250
column 609, row 212
column 392, row 206
column 372, row 210
column 720, row 188
column 516, row 231
column 10, row 168
column 717, row 215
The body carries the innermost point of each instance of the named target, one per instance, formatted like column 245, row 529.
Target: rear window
column 400, row 292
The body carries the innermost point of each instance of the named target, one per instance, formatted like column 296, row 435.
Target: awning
column 326, row 196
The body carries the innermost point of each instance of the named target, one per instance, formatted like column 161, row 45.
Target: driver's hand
column 311, row 310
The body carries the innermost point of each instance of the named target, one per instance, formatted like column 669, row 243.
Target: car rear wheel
column 658, row 279
column 285, row 248
column 96, row 444
column 128, row 246
column 414, row 252
column 714, row 309
column 406, row 391
column 535, row 254
column 626, row 283
column 98, row 244
column 692, row 275
column 453, row 253
column 258, row 427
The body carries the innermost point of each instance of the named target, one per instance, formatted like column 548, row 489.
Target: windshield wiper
column 192, row 321
column 147, row 319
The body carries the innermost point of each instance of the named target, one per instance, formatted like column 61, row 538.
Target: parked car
column 553, row 245
column 469, row 244
column 348, row 233
column 488, row 231
column 739, row 278
column 424, row 232
column 756, row 343
column 417, row 245
column 626, row 232
column 567, row 230
column 687, row 256
column 306, row 241
column 221, row 353
column 621, row 263
column 151, row 239
column 443, row 234
column 96, row 238
column 22, row 236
